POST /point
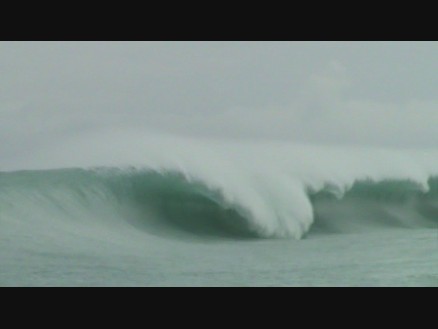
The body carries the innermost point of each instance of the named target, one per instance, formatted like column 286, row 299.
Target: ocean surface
column 173, row 212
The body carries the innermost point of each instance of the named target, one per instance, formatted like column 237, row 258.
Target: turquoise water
column 120, row 228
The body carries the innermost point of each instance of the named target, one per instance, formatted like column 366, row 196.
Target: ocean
column 179, row 212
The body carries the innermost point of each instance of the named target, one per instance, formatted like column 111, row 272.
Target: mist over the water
column 279, row 159
column 378, row 93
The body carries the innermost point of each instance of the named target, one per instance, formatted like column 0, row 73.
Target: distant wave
column 176, row 203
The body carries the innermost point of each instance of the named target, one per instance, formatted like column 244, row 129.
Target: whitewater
column 136, row 208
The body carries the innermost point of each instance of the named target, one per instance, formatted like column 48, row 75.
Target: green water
column 76, row 228
column 399, row 258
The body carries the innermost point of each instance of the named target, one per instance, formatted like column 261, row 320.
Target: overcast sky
column 378, row 93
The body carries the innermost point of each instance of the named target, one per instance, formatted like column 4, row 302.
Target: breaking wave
column 174, row 203
column 167, row 185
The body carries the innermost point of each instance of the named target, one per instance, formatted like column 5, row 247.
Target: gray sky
column 379, row 93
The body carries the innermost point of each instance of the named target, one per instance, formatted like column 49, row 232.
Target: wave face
column 173, row 203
